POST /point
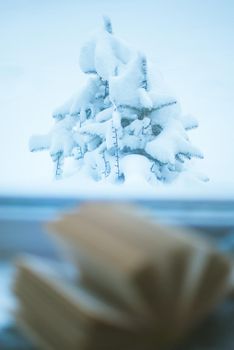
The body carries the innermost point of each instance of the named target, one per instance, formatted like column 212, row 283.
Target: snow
column 104, row 115
column 131, row 77
column 60, row 139
column 189, row 121
column 87, row 56
column 138, row 170
column 39, row 70
column 144, row 98
column 106, row 65
column 116, row 53
column 39, row 142
column 61, row 111
column 170, row 142
column 116, row 118
column 134, row 116
column 95, row 128
column 79, row 102
column 162, row 115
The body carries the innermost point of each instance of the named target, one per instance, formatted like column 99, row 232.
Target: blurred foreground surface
column 214, row 333
column 21, row 231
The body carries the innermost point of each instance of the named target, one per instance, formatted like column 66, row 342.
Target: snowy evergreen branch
column 144, row 83
column 122, row 120
column 58, row 165
column 107, row 24
column 116, row 153
column 146, row 111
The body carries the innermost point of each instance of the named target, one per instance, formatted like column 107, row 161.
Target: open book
column 142, row 285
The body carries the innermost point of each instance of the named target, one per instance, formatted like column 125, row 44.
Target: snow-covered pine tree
column 122, row 121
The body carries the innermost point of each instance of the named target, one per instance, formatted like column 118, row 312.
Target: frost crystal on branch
column 122, row 121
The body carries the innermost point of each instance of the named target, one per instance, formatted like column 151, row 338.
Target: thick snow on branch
column 189, row 121
column 60, row 141
column 82, row 101
column 61, row 137
column 99, row 129
column 39, row 143
column 132, row 78
column 170, row 142
column 107, row 24
column 104, row 54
